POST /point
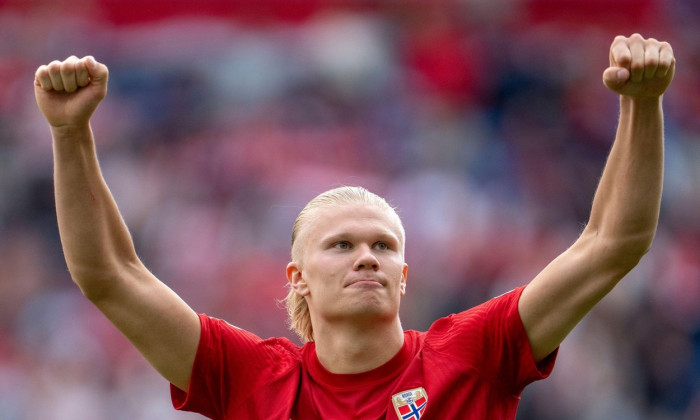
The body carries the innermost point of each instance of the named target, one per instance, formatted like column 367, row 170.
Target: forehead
column 352, row 218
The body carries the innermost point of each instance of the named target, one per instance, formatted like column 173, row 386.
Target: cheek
column 321, row 271
column 395, row 265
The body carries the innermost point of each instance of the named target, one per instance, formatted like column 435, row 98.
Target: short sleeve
column 491, row 339
column 230, row 364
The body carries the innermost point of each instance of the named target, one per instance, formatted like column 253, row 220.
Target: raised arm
column 97, row 245
column 626, row 205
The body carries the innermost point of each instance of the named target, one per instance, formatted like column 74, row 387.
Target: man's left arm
column 625, row 208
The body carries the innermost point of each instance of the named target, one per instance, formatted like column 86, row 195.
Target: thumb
column 98, row 72
column 614, row 77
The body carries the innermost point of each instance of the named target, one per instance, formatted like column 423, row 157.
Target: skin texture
column 625, row 208
column 356, row 325
column 96, row 243
column 352, row 274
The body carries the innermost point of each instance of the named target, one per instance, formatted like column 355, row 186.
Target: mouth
column 364, row 282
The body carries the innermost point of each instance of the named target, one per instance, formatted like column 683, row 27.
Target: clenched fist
column 69, row 91
column 639, row 68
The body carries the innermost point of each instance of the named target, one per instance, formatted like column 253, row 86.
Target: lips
column 367, row 281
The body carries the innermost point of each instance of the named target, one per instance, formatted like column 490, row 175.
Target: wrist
column 70, row 131
column 644, row 101
column 636, row 105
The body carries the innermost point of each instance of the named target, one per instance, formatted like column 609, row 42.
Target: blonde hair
column 297, row 308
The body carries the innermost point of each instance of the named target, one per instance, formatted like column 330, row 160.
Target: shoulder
column 233, row 364
column 221, row 336
column 488, row 314
column 479, row 331
column 489, row 339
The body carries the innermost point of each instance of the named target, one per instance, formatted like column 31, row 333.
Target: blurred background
column 484, row 121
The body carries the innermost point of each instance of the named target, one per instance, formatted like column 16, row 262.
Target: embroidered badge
column 410, row 405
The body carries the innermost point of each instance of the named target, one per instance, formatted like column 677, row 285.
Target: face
column 351, row 264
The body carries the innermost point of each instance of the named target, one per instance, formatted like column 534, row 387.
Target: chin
column 370, row 309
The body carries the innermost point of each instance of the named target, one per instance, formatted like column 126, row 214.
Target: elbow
column 621, row 253
column 629, row 255
column 97, row 283
column 93, row 283
column 638, row 245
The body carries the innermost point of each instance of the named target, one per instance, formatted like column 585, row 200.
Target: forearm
column 625, row 209
column 96, row 242
column 626, row 205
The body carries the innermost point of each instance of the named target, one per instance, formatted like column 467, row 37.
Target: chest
column 423, row 391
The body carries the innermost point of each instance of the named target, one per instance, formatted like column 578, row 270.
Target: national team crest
column 410, row 405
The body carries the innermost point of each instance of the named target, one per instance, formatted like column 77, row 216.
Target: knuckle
column 67, row 66
column 637, row 65
column 624, row 53
column 41, row 71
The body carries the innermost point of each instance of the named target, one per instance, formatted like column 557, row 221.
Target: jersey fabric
column 470, row 365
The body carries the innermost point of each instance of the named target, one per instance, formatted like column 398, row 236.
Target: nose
column 366, row 260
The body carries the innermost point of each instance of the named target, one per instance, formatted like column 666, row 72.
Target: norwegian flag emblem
column 411, row 404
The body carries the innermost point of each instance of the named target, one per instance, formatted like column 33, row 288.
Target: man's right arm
column 96, row 243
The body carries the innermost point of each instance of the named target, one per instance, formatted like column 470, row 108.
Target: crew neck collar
column 387, row 371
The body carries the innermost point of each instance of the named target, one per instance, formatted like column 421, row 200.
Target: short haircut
column 297, row 308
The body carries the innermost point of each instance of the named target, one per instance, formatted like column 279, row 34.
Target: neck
column 356, row 349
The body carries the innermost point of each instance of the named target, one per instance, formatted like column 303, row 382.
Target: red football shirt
column 471, row 365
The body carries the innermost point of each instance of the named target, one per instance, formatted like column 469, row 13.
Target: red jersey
column 471, row 365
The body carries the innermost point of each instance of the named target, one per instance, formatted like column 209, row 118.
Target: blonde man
column 347, row 277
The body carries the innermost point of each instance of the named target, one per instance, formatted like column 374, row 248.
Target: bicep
column 162, row 327
column 558, row 298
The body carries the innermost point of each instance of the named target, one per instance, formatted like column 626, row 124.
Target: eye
column 382, row 246
column 342, row 245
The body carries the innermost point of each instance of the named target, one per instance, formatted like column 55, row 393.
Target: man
column 347, row 277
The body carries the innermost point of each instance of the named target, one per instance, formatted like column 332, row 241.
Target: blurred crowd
column 485, row 122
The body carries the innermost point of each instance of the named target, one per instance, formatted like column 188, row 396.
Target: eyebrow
column 387, row 236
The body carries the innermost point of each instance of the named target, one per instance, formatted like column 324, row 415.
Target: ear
column 296, row 280
column 404, row 276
